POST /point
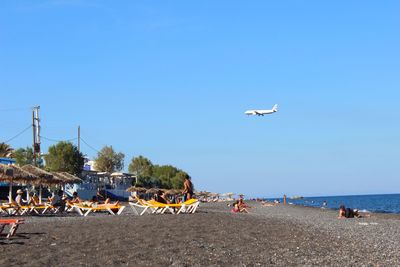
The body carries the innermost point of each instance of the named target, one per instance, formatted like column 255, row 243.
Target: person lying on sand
column 267, row 204
column 349, row 213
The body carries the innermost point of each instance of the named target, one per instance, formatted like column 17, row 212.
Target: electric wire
column 15, row 136
column 57, row 140
column 83, row 140
column 14, row 109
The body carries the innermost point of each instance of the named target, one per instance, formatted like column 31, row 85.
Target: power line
column 56, row 140
column 12, row 138
column 90, row 146
column 14, row 109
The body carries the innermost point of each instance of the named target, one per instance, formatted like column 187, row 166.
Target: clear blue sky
column 170, row 80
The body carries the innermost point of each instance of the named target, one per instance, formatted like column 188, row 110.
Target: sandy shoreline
column 281, row 235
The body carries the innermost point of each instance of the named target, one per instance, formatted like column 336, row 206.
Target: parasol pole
column 10, row 193
column 40, row 194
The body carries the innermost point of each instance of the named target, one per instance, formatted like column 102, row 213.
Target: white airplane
column 262, row 112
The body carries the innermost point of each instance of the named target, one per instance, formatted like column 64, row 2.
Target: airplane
column 262, row 112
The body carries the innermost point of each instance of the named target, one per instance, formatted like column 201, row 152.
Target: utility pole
column 79, row 138
column 36, row 134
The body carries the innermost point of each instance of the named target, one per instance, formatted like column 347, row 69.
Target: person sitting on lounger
column 19, row 200
column 33, row 199
column 95, row 201
column 75, row 198
column 57, row 200
column 106, row 200
column 161, row 197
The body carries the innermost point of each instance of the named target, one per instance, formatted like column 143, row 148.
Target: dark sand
column 281, row 235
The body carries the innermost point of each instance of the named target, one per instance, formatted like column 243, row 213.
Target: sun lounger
column 140, row 207
column 42, row 209
column 12, row 223
column 189, row 206
column 153, row 206
column 110, row 208
column 8, row 208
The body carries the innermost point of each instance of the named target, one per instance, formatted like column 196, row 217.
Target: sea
column 388, row 203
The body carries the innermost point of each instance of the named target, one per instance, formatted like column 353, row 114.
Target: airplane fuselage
column 262, row 112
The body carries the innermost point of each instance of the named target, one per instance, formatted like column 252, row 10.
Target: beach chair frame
column 13, row 223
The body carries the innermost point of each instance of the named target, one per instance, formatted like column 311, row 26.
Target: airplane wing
column 258, row 113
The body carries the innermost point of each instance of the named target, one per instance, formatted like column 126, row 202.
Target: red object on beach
column 13, row 223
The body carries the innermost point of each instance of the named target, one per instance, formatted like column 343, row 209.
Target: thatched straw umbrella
column 12, row 173
column 136, row 189
column 153, row 190
column 44, row 177
column 73, row 179
column 64, row 178
column 173, row 191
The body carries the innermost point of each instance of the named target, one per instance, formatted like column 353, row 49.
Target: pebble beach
column 282, row 235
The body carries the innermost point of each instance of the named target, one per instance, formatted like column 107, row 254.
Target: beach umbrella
column 44, row 177
column 173, row 191
column 73, row 178
column 154, row 190
column 12, row 173
column 136, row 189
column 66, row 178
column 60, row 178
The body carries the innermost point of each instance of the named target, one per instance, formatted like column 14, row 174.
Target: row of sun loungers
column 13, row 209
column 139, row 207
column 142, row 206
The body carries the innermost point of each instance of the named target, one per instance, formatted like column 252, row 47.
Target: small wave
column 364, row 211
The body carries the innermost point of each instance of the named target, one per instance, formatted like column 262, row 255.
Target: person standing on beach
column 187, row 188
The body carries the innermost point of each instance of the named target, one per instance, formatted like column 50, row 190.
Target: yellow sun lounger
column 110, row 208
column 188, row 206
column 42, row 209
column 153, row 206
column 141, row 206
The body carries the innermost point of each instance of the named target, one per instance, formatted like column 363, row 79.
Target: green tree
column 65, row 157
column 178, row 179
column 109, row 161
column 25, row 156
column 164, row 174
column 142, row 168
column 5, row 151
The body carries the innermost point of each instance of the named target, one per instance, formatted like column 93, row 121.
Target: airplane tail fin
column 275, row 108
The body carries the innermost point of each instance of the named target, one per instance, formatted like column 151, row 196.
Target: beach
column 213, row 236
